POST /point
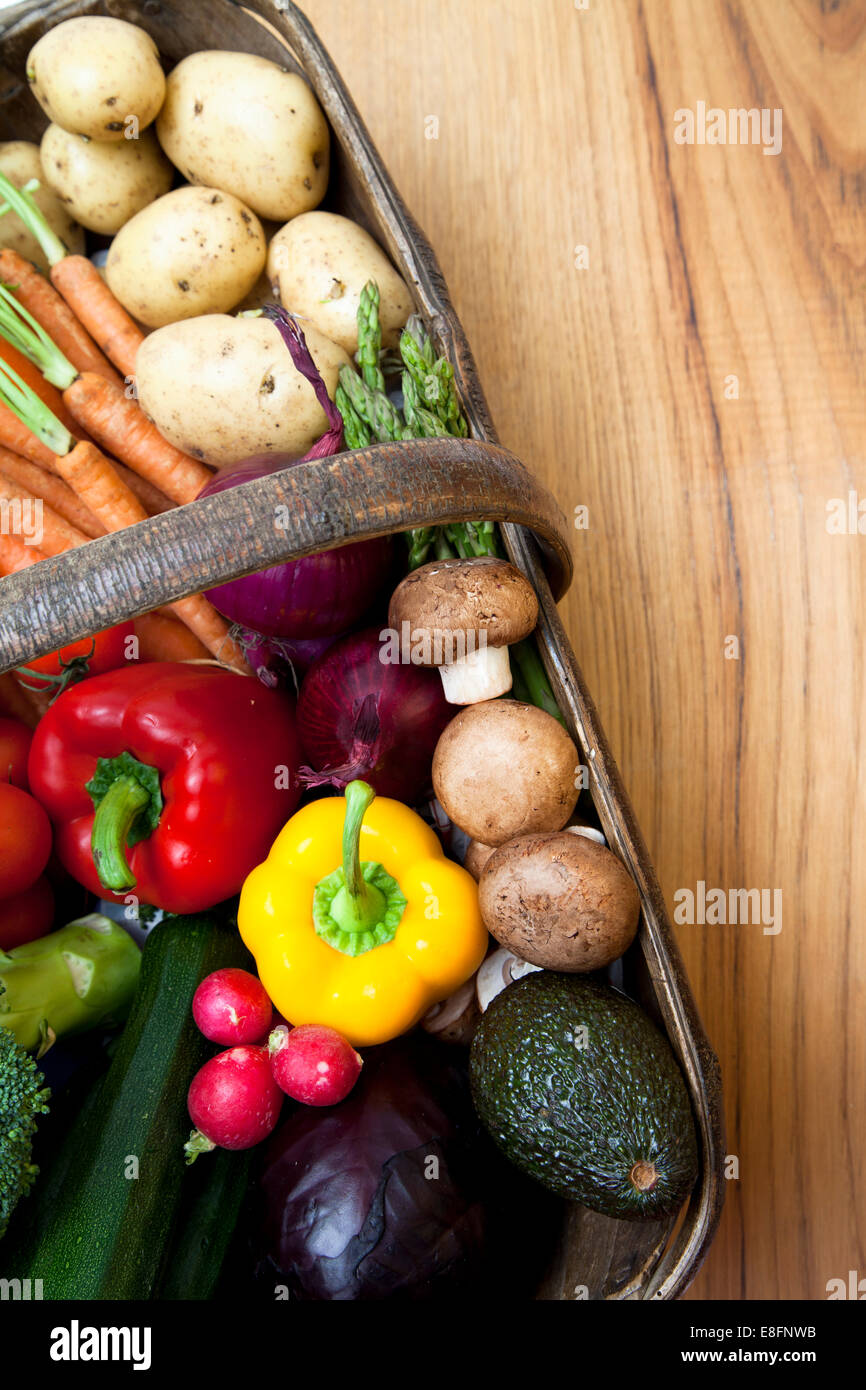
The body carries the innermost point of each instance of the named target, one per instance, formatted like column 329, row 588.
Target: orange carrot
column 52, row 489
column 119, row 425
column 202, row 619
column 16, row 436
column 53, row 533
column 96, row 308
column 100, row 488
column 15, row 555
column 162, row 638
column 36, row 381
column 54, row 314
column 150, row 497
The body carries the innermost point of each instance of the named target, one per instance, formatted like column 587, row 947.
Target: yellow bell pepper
column 368, row 945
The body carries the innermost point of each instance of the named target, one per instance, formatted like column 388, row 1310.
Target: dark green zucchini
column 214, row 1191
column 123, row 1160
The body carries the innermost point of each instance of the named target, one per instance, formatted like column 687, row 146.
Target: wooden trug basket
column 376, row 491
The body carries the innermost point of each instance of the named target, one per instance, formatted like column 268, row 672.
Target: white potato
column 238, row 122
column 194, row 251
column 321, row 262
column 96, row 76
column 223, row 389
column 20, row 162
column 103, row 185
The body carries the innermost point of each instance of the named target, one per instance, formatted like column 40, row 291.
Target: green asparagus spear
column 373, row 407
column 356, row 432
column 370, row 337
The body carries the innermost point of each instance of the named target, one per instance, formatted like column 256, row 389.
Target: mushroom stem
column 482, row 674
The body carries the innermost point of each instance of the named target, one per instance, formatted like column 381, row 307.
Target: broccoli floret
column 22, row 1098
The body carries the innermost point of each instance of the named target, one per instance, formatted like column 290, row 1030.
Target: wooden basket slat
column 307, row 508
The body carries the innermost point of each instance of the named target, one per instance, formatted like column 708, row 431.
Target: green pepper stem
column 360, row 906
column 115, row 816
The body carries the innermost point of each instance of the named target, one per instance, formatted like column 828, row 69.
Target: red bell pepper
column 169, row 781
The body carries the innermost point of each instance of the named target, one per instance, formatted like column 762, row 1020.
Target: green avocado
column 582, row 1092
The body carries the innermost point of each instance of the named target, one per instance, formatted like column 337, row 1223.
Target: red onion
column 320, row 595
column 274, row 658
column 360, row 717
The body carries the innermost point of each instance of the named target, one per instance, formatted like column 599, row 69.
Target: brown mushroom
column 497, row 972
column 462, row 615
column 456, row 1018
column 502, row 768
column 476, row 856
column 583, row 827
column 561, row 901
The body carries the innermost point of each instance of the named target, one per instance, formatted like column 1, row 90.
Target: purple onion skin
column 358, row 717
column 318, row 596
column 280, row 660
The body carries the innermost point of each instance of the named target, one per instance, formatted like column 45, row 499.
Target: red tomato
column 15, row 740
column 25, row 840
column 92, row 656
column 26, row 916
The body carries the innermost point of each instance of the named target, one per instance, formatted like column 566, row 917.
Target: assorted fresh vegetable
column 27, row 915
column 395, row 1193
column 107, row 1229
column 357, row 920
column 352, row 764
column 15, row 740
column 312, row 1064
column 68, row 981
column 234, row 1101
column 102, row 185
column 362, row 717
column 167, row 779
column 231, row 1007
column 25, row 839
column 22, row 1099
column 224, row 389
column 615, row 1076
column 20, row 161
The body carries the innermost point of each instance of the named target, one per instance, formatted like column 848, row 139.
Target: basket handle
column 303, row 509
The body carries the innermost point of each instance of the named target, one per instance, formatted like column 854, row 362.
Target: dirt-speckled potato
column 239, row 122
column 321, row 262
column 20, row 162
column 223, row 388
column 194, row 251
column 97, row 76
column 104, row 185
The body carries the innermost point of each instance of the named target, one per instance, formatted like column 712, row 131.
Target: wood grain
column 707, row 512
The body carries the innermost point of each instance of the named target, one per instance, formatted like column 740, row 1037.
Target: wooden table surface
column 672, row 334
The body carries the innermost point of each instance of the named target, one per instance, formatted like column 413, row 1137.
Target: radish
column 313, row 1064
column 231, row 1007
column 233, row 1101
